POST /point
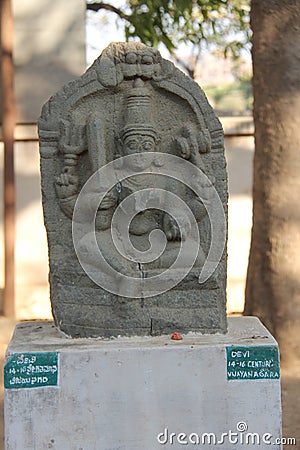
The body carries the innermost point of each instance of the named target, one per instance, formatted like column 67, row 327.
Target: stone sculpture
column 153, row 127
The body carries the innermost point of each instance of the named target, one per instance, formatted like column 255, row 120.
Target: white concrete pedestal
column 142, row 393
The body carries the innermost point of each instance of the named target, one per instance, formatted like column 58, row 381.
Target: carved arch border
column 176, row 82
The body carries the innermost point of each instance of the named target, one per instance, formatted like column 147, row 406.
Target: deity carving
column 134, row 110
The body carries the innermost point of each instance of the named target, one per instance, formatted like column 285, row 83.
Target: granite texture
column 132, row 103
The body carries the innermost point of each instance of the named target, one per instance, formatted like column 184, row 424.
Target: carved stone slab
column 134, row 190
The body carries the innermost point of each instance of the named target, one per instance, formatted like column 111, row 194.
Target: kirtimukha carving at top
column 134, row 192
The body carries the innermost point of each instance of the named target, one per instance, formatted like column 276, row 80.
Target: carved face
column 137, row 145
column 139, row 58
column 141, row 63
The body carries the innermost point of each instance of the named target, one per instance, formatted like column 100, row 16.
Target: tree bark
column 273, row 280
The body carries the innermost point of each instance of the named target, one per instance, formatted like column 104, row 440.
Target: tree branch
column 190, row 70
column 101, row 5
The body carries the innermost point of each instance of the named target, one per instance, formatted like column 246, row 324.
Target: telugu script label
column 31, row 370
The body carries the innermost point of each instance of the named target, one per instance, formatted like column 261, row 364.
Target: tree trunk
column 273, row 281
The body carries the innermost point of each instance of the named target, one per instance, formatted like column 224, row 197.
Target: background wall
column 49, row 50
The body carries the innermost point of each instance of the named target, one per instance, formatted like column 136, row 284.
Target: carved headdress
column 138, row 112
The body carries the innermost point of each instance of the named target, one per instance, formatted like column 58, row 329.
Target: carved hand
column 207, row 192
column 172, row 230
column 108, row 202
column 66, row 185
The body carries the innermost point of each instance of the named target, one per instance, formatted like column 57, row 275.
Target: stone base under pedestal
column 214, row 391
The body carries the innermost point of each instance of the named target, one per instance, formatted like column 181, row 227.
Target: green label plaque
column 252, row 363
column 31, row 370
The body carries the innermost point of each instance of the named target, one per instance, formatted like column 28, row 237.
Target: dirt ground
column 290, row 382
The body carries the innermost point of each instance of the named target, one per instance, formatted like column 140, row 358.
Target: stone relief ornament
column 134, row 189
